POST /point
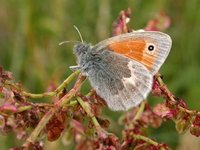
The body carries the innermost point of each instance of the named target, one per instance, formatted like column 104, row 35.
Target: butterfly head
column 81, row 49
column 83, row 54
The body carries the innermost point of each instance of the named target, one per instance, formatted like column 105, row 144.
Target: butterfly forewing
column 135, row 45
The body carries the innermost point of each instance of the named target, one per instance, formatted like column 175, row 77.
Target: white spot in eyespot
column 132, row 79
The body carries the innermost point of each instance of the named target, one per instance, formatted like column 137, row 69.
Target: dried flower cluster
column 77, row 117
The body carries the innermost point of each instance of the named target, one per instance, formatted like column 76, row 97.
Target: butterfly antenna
column 79, row 33
column 64, row 42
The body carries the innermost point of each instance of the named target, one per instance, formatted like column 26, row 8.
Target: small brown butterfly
column 121, row 68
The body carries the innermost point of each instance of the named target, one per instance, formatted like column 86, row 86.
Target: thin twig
column 59, row 89
column 45, row 119
column 87, row 109
column 165, row 90
column 24, row 108
column 140, row 111
column 137, row 115
column 146, row 139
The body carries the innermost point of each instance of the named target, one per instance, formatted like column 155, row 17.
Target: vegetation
column 30, row 33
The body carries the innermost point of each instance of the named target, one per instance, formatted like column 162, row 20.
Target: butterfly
column 121, row 68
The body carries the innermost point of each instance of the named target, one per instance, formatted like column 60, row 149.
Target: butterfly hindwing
column 120, row 81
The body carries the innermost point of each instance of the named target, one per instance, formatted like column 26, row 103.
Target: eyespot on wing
column 135, row 45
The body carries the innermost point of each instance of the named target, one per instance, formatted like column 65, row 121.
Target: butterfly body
column 121, row 68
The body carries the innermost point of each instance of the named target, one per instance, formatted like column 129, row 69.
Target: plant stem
column 90, row 93
column 72, row 103
column 67, row 81
column 45, row 119
column 36, row 96
column 137, row 115
column 87, row 109
column 164, row 88
column 146, row 139
column 85, row 106
column 95, row 122
column 140, row 111
column 192, row 112
column 24, row 108
column 59, row 89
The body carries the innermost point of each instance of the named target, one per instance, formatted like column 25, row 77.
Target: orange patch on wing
column 148, row 60
column 134, row 49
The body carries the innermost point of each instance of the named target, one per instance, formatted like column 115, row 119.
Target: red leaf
column 160, row 23
column 119, row 26
column 163, row 111
column 195, row 128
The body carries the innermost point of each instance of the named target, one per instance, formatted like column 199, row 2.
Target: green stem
column 137, row 115
column 95, row 122
column 85, row 106
column 140, row 111
column 67, row 81
column 72, row 103
column 146, row 139
column 192, row 112
column 24, row 108
column 36, row 96
column 45, row 119
column 90, row 93
column 87, row 109
column 59, row 89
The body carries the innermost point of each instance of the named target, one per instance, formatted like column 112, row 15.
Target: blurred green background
column 31, row 30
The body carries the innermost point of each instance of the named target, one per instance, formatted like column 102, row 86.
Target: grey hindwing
column 120, row 81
